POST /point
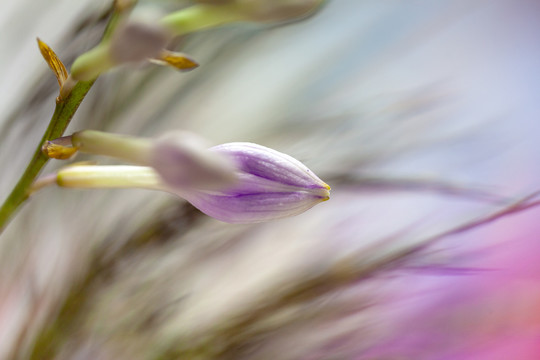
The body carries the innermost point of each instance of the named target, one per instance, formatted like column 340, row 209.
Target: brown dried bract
column 54, row 62
column 176, row 60
column 57, row 151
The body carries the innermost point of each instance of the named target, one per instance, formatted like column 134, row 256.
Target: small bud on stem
column 209, row 14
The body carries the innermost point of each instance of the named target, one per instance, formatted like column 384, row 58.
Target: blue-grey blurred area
column 422, row 115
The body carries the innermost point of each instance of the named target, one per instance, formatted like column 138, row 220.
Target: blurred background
column 421, row 115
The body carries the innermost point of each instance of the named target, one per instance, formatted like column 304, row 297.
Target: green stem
column 63, row 113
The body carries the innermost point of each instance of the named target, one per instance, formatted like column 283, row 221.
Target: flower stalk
column 59, row 121
column 112, row 176
column 63, row 113
column 131, row 149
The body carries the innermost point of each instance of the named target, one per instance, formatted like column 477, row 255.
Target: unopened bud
column 213, row 13
column 235, row 182
column 278, row 10
column 271, row 185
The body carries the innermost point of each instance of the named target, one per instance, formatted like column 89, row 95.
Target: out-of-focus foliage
column 421, row 115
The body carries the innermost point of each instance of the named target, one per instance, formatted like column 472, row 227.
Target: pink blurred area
column 486, row 308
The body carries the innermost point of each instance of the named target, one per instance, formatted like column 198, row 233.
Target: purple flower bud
column 271, row 185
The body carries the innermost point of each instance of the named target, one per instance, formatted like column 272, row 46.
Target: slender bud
column 213, row 13
column 278, row 10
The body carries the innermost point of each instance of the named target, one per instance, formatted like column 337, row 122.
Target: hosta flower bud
column 270, row 10
column 277, row 10
column 213, row 13
column 234, row 182
column 271, row 185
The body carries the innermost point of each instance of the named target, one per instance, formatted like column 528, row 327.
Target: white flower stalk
column 180, row 158
column 233, row 182
column 119, row 176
